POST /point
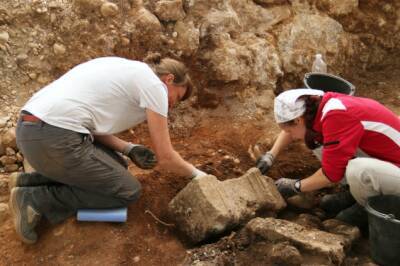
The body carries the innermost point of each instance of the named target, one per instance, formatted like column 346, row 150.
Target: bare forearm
column 175, row 163
column 317, row 181
column 112, row 142
column 281, row 143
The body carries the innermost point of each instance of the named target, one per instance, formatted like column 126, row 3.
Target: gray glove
column 141, row 156
column 288, row 187
column 265, row 162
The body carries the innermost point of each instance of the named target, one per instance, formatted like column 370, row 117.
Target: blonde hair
column 165, row 66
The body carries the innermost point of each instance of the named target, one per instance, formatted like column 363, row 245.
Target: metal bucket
column 328, row 82
column 384, row 229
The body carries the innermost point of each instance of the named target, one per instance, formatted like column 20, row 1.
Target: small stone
column 125, row 41
column 11, row 168
column 10, row 151
column 109, row 9
column 2, row 149
column 3, row 212
column 53, row 18
column 174, row 34
column 21, row 58
column 4, row 37
column 32, row 75
column 59, row 49
column 4, row 120
column 136, row 259
column 9, row 138
column 236, row 161
column 285, row 254
column 8, row 160
column 20, row 158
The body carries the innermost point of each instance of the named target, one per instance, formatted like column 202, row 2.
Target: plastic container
column 319, row 65
column 384, row 229
column 328, row 82
column 118, row 215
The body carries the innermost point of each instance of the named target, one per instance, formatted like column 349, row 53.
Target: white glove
column 197, row 174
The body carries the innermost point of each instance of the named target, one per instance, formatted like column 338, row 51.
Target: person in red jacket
column 357, row 140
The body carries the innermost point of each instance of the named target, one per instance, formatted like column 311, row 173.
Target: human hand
column 143, row 157
column 287, row 187
column 265, row 162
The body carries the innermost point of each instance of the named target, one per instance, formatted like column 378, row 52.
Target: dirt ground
column 213, row 144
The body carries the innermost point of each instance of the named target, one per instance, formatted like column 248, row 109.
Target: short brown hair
column 165, row 66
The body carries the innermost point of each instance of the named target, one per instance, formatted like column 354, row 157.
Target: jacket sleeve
column 341, row 136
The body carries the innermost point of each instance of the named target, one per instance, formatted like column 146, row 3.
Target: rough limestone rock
column 338, row 7
column 307, row 35
column 260, row 20
column 11, row 168
column 207, row 207
column 4, row 37
column 350, row 233
column 109, row 9
column 5, row 160
column 169, row 10
column 270, row 1
column 311, row 240
column 144, row 28
column 285, row 254
column 219, row 22
column 248, row 59
column 187, row 38
column 88, row 5
column 9, row 139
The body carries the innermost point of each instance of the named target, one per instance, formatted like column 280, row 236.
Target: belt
column 29, row 118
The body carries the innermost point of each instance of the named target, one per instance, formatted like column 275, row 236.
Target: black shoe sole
column 16, row 213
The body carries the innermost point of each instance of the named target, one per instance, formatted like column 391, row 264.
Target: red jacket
column 348, row 123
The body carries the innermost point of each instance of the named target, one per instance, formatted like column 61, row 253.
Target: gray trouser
column 72, row 172
column 369, row 177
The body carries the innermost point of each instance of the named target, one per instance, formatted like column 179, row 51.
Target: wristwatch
column 297, row 186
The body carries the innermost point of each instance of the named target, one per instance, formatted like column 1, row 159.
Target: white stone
column 109, row 9
column 169, row 10
column 206, row 206
column 4, row 37
column 10, row 151
column 314, row 241
column 59, row 49
column 9, row 138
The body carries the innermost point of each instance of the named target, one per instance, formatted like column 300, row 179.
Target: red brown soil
column 144, row 241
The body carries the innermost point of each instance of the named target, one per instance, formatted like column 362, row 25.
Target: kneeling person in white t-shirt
column 66, row 131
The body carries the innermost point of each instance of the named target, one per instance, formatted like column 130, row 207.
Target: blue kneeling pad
column 118, row 215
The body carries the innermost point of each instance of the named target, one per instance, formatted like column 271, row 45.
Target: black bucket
column 328, row 82
column 384, row 229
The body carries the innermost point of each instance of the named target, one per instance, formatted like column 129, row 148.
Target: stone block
column 314, row 241
column 207, row 206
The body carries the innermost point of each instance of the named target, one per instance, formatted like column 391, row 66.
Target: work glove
column 265, row 162
column 287, row 187
column 197, row 174
column 143, row 157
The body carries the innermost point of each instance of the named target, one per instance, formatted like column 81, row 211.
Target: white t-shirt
column 102, row 96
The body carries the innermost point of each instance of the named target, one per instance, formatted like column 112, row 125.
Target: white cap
column 288, row 106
